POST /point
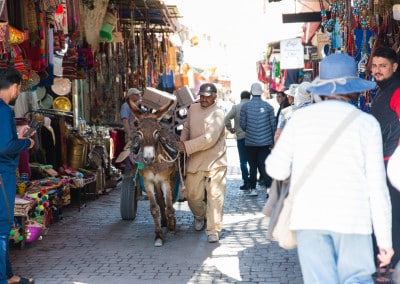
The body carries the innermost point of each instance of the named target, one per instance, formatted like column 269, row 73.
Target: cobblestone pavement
column 96, row 246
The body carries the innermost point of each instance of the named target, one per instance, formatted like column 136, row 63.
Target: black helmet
column 207, row 89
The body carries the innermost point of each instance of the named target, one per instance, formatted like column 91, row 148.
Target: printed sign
column 292, row 54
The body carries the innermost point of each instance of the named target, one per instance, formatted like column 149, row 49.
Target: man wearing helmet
column 203, row 140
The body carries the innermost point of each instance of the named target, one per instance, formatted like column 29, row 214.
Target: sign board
column 292, row 54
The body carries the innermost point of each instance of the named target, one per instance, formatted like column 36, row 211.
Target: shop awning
column 150, row 14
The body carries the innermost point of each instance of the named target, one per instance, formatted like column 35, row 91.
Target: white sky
column 245, row 26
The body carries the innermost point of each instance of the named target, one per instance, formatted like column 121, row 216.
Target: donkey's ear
column 135, row 109
column 163, row 109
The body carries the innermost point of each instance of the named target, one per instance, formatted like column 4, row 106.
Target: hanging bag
column 280, row 217
column 3, row 40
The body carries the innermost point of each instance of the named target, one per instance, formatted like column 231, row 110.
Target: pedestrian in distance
column 234, row 114
column 284, row 115
column 385, row 107
column 282, row 101
column 12, row 143
column 299, row 98
column 203, row 141
column 334, row 243
column 257, row 119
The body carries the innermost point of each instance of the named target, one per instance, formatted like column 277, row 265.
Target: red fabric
column 262, row 75
column 395, row 102
column 118, row 137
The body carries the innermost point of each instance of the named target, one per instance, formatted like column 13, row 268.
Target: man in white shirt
column 335, row 241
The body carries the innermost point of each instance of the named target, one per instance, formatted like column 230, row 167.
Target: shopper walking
column 283, row 102
column 203, row 140
column 257, row 119
column 385, row 108
column 11, row 145
column 286, row 112
column 234, row 114
column 335, row 244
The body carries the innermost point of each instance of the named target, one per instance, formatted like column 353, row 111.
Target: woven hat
column 302, row 97
column 338, row 75
column 61, row 86
column 46, row 102
column 292, row 90
column 256, row 89
column 40, row 93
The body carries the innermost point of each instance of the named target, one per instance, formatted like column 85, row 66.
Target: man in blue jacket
column 234, row 114
column 11, row 145
column 257, row 119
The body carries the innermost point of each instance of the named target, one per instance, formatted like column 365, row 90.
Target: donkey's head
column 148, row 130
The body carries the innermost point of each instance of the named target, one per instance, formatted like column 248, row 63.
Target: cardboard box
column 185, row 96
column 154, row 98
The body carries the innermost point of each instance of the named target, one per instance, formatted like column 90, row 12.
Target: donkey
column 159, row 151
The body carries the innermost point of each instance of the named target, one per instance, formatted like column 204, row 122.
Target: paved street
column 96, row 246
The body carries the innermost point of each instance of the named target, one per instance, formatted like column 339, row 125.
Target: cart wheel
column 129, row 201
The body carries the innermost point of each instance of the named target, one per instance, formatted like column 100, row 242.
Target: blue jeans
column 243, row 161
column 6, row 220
column 6, row 271
column 3, row 257
column 330, row 258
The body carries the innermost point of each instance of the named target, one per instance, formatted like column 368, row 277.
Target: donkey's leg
column 167, row 188
column 161, row 205
column 154, row 210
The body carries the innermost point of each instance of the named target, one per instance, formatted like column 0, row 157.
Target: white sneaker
column 252, row 192
column 213, row 238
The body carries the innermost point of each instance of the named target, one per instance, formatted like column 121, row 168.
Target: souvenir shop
column 352, row 27
column 78, row 58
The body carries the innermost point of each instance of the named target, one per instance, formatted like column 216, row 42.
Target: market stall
column 78, row 59
column 352, row 27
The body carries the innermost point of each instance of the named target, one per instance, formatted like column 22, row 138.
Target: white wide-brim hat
column 338, row 75
column 302, row 96
column 292, row 90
